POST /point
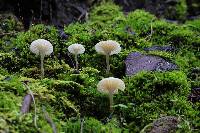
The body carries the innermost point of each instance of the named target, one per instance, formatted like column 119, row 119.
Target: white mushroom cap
column 110, row 85
column 41, row 46
column 76, row 49
column 108, row 47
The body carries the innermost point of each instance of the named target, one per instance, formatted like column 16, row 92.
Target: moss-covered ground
column 71, row 99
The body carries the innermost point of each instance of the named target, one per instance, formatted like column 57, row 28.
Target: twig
column 49, row 120
column 147, row 126
column 81, row 10
column 151, row 33
column 82, row 122
column 126, row 3
column 31, row 93
column 26, row 104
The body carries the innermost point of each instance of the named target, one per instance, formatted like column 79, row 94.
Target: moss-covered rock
column 150, row 95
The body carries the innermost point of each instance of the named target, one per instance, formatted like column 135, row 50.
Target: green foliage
column 182, row 37
column 140, row 21
column 177, row 11
column 9, row 23
column 12, row 84
column 161, row 32
column 70, row 87
column 53, row 70
column 194, row 25
column 186, row 60
column 9, row 61
column 165, row 55
column 92, row 125
column 9, row 101
column 149, row 95
column 181, row 10
column 105, row 13
column 152, row 85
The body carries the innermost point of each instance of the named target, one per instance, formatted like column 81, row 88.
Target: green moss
column 161, row 32
column 163, row 54
column 181, row 9
column 193, row 25
column 152, row 85
column 150, row 95
column 9, row 62
column 183, row 37
column 105, row 13
column 143, row 43
column 177, row 11
column 92, row 125
column 53, row 70
column 64, row 86
column 9, row 23
column 140, row 21
column 12, row 84
column 186, row 60
column 9, row 102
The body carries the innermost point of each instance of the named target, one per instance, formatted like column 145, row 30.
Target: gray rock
column 194, row 95
column 167, row 124
column 136, row 62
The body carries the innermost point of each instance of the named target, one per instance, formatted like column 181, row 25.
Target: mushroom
column 41, row 47
column 76, row 49
column 108, row 48
column 110, row 86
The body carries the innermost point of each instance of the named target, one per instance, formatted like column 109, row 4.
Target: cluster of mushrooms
column 108, row 85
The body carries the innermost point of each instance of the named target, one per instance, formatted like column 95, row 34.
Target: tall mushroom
column 76, row 49
column 110, row 86
column 41, row 47
column 108, row 48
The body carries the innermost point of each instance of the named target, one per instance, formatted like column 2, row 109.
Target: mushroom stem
column 42, row 65
column 76, row 60
column 111, row 102
column 107, row 64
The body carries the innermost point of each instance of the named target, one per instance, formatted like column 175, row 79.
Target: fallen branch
column 82, row 122
column 49, row 120
column 26, row 104
column 31, row 93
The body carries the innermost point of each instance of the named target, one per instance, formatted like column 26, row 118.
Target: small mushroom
column 110, row 86
column 76, row 49
column 108, row 48
column 41, row 47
